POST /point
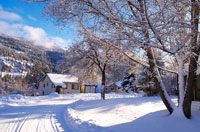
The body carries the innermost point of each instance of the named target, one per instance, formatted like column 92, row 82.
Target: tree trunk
column 157, row 83
column 103, row 82
column 193, row 59
column 151, row 59
column 191, row 85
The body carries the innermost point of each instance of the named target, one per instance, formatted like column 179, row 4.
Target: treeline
column 24, row 84
column 21, row 65
column 23, row 50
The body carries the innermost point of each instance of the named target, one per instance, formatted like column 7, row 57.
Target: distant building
column 88, row 88
column 59, row 83
column 196, row 95
column 111, row 88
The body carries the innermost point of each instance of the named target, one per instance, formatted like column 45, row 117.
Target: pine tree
column 128, row 82
column 3, row 68
column 35, row 73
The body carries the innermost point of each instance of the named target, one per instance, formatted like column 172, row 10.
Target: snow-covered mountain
column 13, row 66
column 19, row 58
column 18, row 55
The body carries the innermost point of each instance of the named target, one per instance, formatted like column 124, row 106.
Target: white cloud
column 60, row 42
column 32, row 18
column 5, row 15
column 9, row 23
column 13, row 30
column 34, row 33
column 38, row 36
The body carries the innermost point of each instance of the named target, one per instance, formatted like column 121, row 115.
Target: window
column 44, row 85
column 75, row 86
column 112, row 88
column 53, row 86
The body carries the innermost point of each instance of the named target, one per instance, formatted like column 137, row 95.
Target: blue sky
column 24, row 19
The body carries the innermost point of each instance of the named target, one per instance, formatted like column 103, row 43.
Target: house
column 59, row 83
column 88, row 88
column 111, row 88
column 196, row 95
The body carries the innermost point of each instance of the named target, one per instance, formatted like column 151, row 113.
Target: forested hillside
column 21, row 62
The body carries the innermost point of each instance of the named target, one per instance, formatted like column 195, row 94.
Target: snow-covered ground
column 87, row 113
column 16, row 67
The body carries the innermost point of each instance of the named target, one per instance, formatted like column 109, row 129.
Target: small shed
column 111, row 88
column 88, row 88
column 196, row 93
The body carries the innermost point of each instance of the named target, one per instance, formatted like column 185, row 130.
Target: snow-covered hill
column 13, row 66
column 19, row 58
column 23, row 50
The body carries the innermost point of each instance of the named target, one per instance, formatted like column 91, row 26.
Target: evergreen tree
column 128, row 82
column 36, row 73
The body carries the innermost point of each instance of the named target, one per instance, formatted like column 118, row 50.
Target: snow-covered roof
column 60, row 79
column 119, row 83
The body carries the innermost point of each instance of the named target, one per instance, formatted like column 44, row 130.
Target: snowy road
column 88, row 113
column 41, row 114
column 36, row 114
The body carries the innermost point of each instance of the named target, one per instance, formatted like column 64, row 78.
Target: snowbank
column 76, row 125
column 124, row 112
column 9, row 100
column 54, row 94
column 12, row 97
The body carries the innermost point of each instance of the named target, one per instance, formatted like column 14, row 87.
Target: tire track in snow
column 20, row 124
column 11, row 125
column 53, row 123
column 39, row 116
column 38, row 126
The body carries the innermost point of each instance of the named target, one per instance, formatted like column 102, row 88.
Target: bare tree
column 168, row 26
column 97, row 53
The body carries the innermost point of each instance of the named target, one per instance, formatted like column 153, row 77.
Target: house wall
column 46, row 86
column 90, row 89
column 109, row 89
column 196, row 92
column 195, row 105
column 71, row 88
column 119, row 90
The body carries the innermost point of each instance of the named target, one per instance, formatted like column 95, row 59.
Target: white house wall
column 69, row 88
column 90, row 89
column 49, row 87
